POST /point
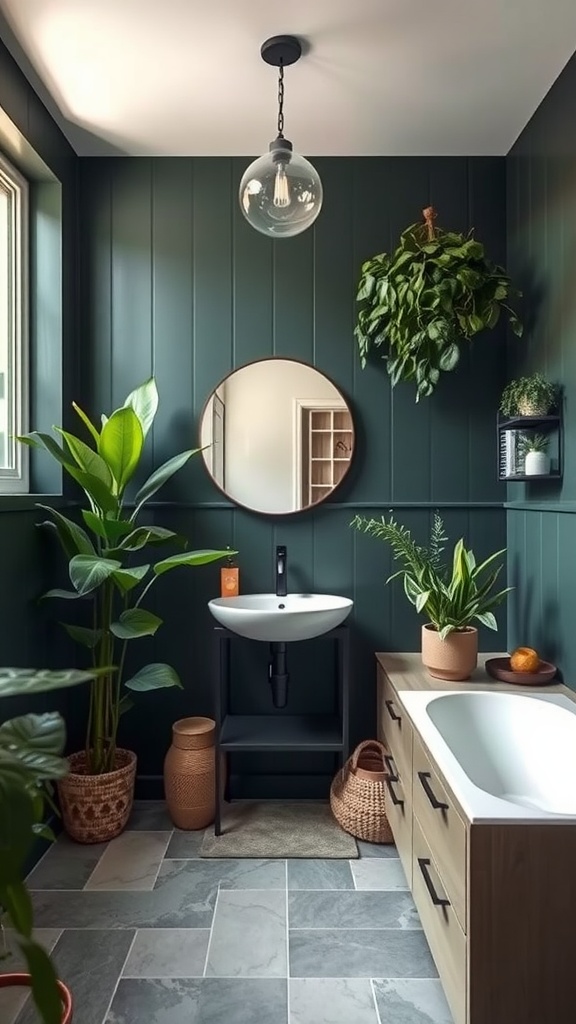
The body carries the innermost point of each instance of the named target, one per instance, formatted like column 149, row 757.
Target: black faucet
column 281, row 560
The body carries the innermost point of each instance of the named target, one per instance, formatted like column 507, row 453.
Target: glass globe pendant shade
column 280, row 192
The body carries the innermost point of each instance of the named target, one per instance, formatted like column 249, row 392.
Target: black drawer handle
column 437, row 804
column 438, row 901
column 390, row 705
column 393, row 796
column 392, row 771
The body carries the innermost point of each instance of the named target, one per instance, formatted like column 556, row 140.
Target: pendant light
column 281, row 192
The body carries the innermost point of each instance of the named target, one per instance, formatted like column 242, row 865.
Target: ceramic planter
column 536, row 464
column 95, row 808
column 528, row 408
column 25, row 981
column 454, row 658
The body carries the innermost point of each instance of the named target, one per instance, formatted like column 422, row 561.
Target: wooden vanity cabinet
column 497, row 902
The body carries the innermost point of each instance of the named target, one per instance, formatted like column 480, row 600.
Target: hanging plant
column 434, row 291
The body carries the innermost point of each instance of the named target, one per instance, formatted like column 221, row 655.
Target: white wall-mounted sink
column 280, row 619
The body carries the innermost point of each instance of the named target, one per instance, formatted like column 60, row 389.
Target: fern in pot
column 451, row 597
column 97, row 794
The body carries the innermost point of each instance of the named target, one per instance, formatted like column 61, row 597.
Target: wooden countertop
column 406, row 672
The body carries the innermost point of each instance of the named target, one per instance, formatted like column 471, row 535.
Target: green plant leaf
column 90, row 638
column 121, row 443
column 127, row 579
column 154, row 677
column 87, row 572
column 74, row 540
column 37, row 741
column 86, row 458
column 144, row 401
column 108, row 529
column 160, row 476
column 126, row 704
column 135, row 622
column 190, row 558
column 87, row 422
column 36, row 439
column 96, row 491
column 45, row 991
column 487, row 619
column 16, row 823
column 449, row 357
column 65, row 595
column 19, row 682
column 43, row 831
column 154, row 535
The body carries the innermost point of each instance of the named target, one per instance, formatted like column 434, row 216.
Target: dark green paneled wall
column 541, row 191
column 175, row 283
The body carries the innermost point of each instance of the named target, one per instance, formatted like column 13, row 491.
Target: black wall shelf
column 509, row 458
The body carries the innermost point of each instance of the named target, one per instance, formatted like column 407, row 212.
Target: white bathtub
column 505, row 755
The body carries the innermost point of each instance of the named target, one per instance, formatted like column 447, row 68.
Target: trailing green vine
column 419, row 303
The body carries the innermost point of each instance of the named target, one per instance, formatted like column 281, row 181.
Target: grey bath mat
column 282, row 828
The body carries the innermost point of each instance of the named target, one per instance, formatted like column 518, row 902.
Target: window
column 13, row 328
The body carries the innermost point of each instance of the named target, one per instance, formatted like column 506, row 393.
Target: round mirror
column 277, row 436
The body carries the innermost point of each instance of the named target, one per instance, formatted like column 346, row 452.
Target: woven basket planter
column 95, row 808
column 358, row 794
column 25, row 981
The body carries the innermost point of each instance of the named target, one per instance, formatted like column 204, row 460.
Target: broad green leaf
column 87, row 422
column 22, row 681
column 74, row 540
column 144, row 535
column 121, row 443
column 108, row 529
column 126, row 704
column 190, row 558
column 96, row 491
column 154, row 677
column 86, row 458
column 135, row 622
column 36, row 439
column 45, row 991
column 144, row 401
column 127, row 579
column 37, row 741
column 449, row 357
column 16, row 821
column 160, row 476
column 66, row 595
column 90, row 638
column 88, row 572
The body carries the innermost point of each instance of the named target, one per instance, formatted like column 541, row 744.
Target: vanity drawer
column 399, row 813
column 443, row 827
column 445, row 936
column 394, row 727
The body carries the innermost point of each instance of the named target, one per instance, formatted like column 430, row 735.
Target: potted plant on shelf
column 418, row 304
column 30, row 758
column 451, row 598
column 97, row 794
column 534, row 448
column 529, row 396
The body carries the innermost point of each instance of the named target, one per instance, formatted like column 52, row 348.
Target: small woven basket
column 358, row 794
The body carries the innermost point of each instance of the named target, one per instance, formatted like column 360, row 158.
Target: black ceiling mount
column 281, row 50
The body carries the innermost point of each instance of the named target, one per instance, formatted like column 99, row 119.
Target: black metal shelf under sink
column 281, row 732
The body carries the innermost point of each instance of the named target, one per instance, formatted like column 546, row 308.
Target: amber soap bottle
column 229, row 579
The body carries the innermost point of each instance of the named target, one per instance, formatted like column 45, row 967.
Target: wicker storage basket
column 95, row 808
column 358, row 794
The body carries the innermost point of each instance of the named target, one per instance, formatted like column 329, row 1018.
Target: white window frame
column 14, row 479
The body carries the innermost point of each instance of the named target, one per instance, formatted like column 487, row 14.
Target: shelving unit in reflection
column 327, row 439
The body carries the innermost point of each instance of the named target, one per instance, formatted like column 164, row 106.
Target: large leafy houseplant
column 105, row 581
column 529, row 396
column 420, row 302
column 31, row 749
column 451, row 597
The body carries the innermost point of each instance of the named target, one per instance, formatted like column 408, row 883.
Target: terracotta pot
column 455, row 657
column 189, row 773
column 24, row 980
column 95, row 808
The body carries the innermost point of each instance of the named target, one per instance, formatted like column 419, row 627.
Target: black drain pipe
column 278, row 674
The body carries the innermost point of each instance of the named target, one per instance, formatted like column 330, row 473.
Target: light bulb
column 281, row 192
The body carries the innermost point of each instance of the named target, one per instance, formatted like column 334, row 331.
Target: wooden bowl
column 499, row 668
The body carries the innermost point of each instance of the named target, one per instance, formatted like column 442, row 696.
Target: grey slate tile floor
column 143, row 930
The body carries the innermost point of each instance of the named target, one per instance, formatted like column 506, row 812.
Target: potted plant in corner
column 529, row 396
column 451, row 598
column 534, row 449
column 435, row 291
column 30, row 758
column 97, row 794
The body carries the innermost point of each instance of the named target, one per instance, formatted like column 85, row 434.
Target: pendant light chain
column 281, row 101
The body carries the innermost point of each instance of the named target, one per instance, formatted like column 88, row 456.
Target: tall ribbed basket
column 358, row 794
column 189, row 773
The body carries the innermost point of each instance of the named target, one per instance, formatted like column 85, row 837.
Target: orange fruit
column 524, row 659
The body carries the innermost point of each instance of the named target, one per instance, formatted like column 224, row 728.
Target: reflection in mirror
column 280, row 436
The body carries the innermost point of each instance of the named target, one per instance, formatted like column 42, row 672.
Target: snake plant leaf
column 144, row 401
column 121, row 443
column 160, row 476
column 135, row 622
column 87, row 572
column 190, row 558
column 153, row 677
column 74, row 540
column 20, row 682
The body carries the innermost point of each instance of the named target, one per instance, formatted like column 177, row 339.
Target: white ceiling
column 382, row 77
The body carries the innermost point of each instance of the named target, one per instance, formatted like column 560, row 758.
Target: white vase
column 537, row 464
